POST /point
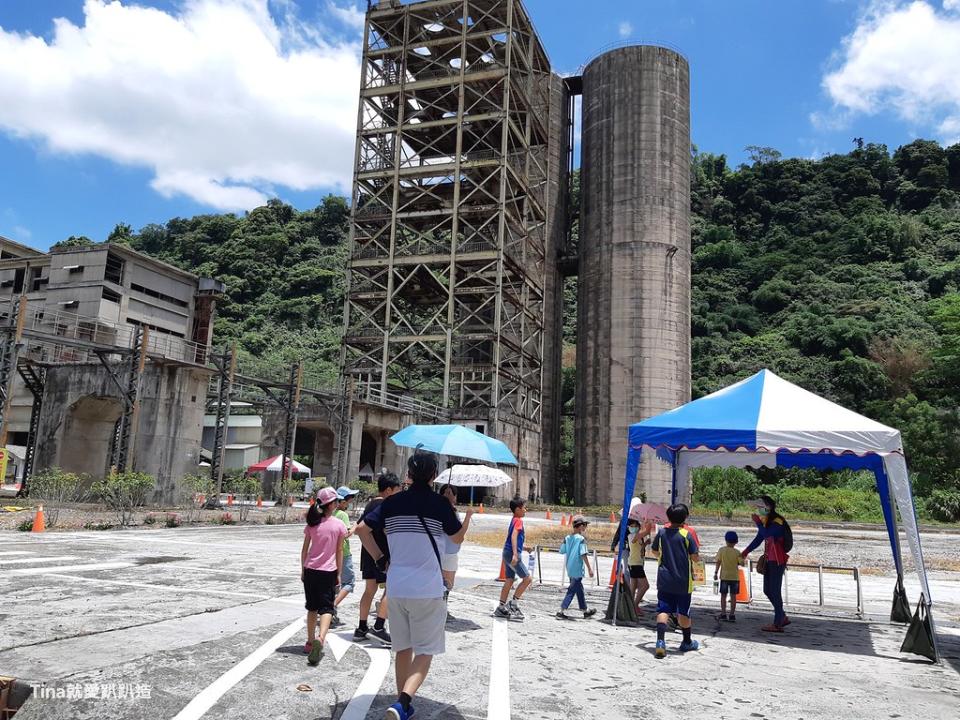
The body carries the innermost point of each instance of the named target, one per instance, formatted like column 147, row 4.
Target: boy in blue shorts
column 513, row 564
column 677, row 550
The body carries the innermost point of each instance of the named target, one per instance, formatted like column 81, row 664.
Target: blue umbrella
column 455, row 440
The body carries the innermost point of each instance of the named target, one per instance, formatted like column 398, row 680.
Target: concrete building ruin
column 104, row 361
column 461, row 234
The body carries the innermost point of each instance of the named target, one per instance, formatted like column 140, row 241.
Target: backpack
column 787, row 536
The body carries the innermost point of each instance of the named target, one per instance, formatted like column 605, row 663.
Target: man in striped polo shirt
column 416, row 523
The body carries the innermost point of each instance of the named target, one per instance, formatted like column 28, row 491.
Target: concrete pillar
column 633, row 349
column 356, row 439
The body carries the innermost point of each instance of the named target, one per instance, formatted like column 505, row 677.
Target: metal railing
column 403, row 403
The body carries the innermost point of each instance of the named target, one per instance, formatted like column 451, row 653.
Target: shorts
column 347, row 576
column 637, row 572
column 320, row 589
column 418, row 624
column 514, row 571
column 369, row 570
column 674, row 604
column 731, row 587
column 450, row 563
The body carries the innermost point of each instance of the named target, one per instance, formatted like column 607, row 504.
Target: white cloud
column 902, row 56
column 625, row 29
column 221, row 100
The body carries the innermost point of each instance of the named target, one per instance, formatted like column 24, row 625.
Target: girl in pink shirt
column 321, row 560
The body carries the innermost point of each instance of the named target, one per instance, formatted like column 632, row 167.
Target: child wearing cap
column 347, row 575
column 321, row 560
column 677, row 550
column 574, row 546
column 727, row 567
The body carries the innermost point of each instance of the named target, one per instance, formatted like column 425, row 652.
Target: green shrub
column 57, row 488
column 723, row 485
column 194, row 491
column 270, row 520
column 173, row 520
column 25, row 525
column 150, row 519
column 943, row 505
column 124, row 493
column 97, row 525
column 244, row 489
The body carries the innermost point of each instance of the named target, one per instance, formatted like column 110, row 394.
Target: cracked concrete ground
column 214, row 615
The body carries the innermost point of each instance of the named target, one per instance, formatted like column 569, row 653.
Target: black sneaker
column 731, row 618
column 723, row 616
column 502, row 611
column 336, row 621
column 515, row 611
column 359, row 635
column 562, row 615
column 381, row 636
column 590, row 612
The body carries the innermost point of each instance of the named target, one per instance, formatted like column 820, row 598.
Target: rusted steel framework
column 445, row 298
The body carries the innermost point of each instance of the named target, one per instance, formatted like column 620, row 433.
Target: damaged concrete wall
column 81, row 405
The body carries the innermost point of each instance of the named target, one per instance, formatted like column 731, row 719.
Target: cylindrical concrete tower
column 633, row 345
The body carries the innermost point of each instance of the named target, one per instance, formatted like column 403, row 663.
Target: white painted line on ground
column 209, row 696
column 369, row 686
column 163, row 588
column 294, row 573
column 68, row 568
column 56, row 558
column 15, row 552
column 498, row 702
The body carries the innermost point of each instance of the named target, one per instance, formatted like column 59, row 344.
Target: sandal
column 772, row 629
column 307, row 647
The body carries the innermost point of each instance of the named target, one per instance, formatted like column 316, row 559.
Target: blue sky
column 210, row 105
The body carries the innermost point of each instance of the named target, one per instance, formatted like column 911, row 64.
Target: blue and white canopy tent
column 765, row 421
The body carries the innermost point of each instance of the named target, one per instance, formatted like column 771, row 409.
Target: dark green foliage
column 841, row 275
column 284, row 273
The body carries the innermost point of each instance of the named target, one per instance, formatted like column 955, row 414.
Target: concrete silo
column 633, row 349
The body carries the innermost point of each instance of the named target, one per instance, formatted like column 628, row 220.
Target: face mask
column 763, row 511
column 634, row 531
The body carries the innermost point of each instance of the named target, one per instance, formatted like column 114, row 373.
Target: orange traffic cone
column 203, row 498
column 743, row 595
column 229, row 500
column 563, row 519
column 613, row 574
column 259, row 501
column 481, row 508
column 503, row 571
column 39, row 524
column 613, row 517
column 312, row 501
column 549, row 516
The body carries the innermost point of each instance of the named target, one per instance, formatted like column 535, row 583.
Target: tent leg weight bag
column 900, row 611
column 625, row 609
column 919, row 639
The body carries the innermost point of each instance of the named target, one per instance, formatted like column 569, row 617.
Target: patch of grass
column 598, row 536
column 25, row 525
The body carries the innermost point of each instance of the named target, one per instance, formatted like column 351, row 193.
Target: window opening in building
column 18, row 280
column 114, row 269
column 159, row 295
column 110, row 295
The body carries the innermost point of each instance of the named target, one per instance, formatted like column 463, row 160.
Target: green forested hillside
column 841, row 274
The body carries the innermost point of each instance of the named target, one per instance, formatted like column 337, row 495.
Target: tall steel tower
column 450, row 215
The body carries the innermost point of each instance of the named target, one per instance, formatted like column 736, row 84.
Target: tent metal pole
column 896, row 526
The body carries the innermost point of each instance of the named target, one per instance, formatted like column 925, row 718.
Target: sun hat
column 580, row 520
column 326, row 496
column 343, row 492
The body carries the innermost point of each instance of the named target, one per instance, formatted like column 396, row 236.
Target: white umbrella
column 474, row 476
